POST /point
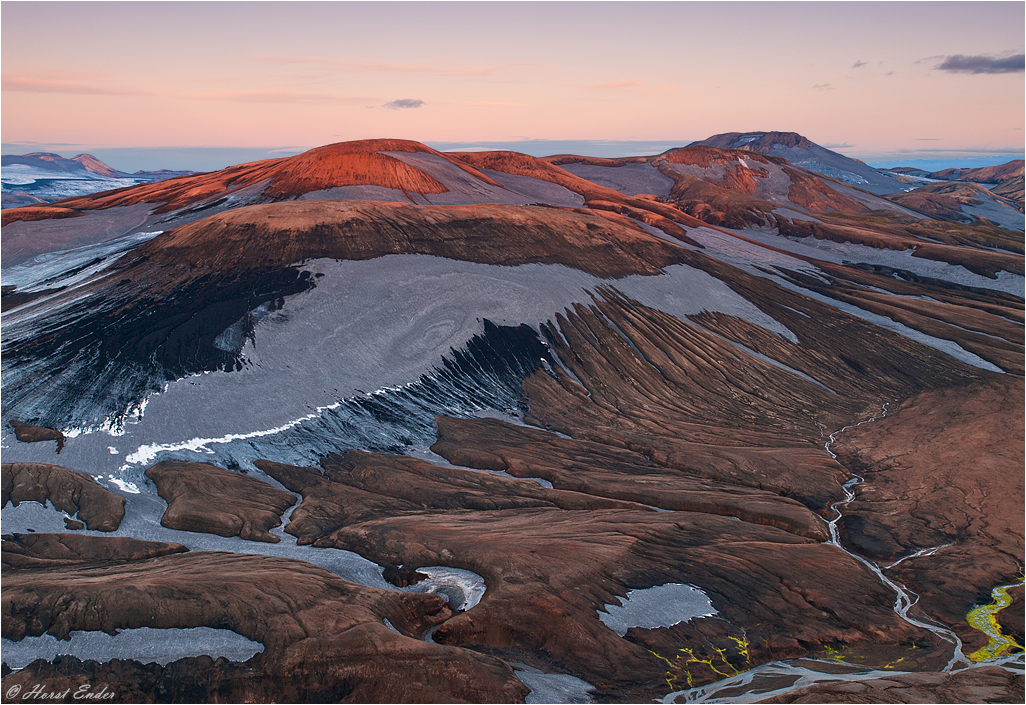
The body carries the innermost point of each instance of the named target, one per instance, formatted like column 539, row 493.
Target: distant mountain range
column 724, row 186
column 44, row 177
column 1004, row 183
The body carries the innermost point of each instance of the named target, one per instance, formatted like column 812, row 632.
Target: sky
column 223, row 81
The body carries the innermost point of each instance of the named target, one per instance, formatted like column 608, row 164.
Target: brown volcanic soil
column 888, row 233
column 548, row 569
column 29, row 213
column 27, row 433
column 604, row 471
column 324, row 637
column 972, row 685
column 944, row 201
column 1012, row 189
column 358, row 163
column 208, row 499
column 69, row 491
column 945, row 468
column 984, row 323
column 284, row 233
column 75, row 550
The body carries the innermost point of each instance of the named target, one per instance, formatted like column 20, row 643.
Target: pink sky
column 859, row 78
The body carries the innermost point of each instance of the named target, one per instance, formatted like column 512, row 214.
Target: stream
column 781, row 677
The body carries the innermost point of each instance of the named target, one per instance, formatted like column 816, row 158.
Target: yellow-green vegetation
column 686, row 659
column 834, row 654
column 892, row 664
column 982, row 617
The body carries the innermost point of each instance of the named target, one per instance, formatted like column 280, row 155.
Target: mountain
column 384, row 424
column 802, row 152
column 43, row 177
column 964, row 202
column 1004, row 180
column 983, row 175
column 1011, row 189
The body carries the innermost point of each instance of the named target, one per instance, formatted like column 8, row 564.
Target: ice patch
column 123, row 485
column 552, row 687
column 682, row 291
column 462, row 589
column 659, row 606
column 144, row 644
column 33, row 517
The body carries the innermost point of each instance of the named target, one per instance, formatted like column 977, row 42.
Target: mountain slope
column 610, row 428
column 802, row 152
column 963, row 202
column 983, row 175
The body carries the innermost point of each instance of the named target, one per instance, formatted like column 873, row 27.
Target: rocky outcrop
column 324, row 638
column 27, row 433
column 73, row 492
column 278, row 235
column 53, row 551
column 208, row 499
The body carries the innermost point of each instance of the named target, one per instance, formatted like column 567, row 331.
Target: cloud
column 822, row 87
column 34, row 84
column 961, row 63
column 927, row 139
column 838, row 145
column 403, row 103
column 859, row 64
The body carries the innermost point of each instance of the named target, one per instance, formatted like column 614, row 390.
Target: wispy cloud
column 927, row 139
column 859, row 64
column 404, row 103
column 822, row 87
column 838, row 145
column 962, row 63
column 37, row 84
column 632, row 84
column 396, row 67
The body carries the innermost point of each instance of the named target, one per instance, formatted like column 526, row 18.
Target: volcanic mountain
column 802, row 152
column 384, row 170
column 377, row 423
column 984, row 175
column 963, row 202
